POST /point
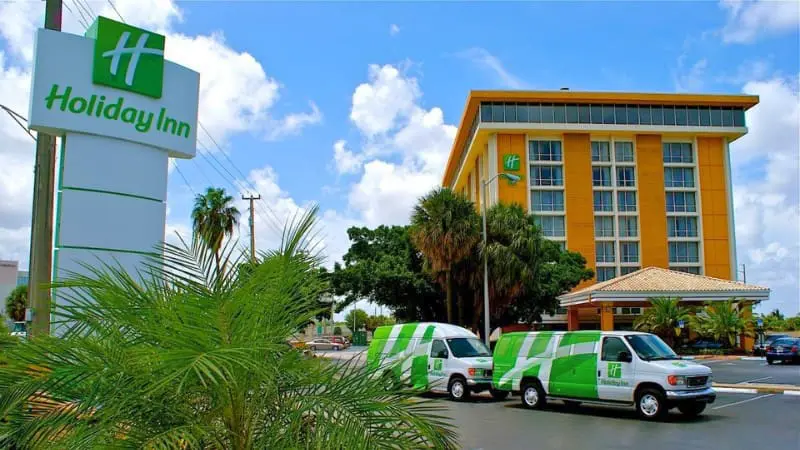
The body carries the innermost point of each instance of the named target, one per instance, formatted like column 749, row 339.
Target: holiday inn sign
column 114, row 82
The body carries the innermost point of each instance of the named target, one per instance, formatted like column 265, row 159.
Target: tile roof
column 656, row 279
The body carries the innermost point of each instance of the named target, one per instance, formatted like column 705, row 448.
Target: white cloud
column 692, row 80
column 394, row 29
column 482, row 58
column 345, row 160
column 387, row 97
column 748, row 20
column 766, row 164
column 236, row 95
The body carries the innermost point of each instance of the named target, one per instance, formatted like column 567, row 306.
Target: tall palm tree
column 723, row 321
column 662, row 317
column 213, row 218
column 445, row 227
column 16, row 302
column 193, row 357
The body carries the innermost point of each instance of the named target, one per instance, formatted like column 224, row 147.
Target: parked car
column 622, row 368
column 323, row 344
column 760, row 346
column 703, row 344
column 784, row 350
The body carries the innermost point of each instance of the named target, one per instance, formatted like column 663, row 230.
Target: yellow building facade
column 629, row 180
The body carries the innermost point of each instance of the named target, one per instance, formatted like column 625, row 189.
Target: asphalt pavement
column 734, row 421
column 750, row 371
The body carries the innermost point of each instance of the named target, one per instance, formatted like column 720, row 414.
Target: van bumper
column 707, row 395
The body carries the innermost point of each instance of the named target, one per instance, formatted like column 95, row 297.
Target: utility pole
column 744, row 274
column 252, row 198
column 41, row 251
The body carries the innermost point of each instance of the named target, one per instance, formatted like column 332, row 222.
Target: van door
column 615, row 374
column 437, row 366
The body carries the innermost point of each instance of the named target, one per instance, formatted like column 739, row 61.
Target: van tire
column 498, row 394
column 651, row 404
column 532, row 395
column 458, row 389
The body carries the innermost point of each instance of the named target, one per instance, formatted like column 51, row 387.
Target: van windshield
column 467, row 347
column 650, row 347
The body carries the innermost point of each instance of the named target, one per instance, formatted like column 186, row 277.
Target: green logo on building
column 614, row 370
column 511, row 162
column 127, row 57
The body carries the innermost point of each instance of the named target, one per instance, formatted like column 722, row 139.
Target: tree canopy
column 16, row 302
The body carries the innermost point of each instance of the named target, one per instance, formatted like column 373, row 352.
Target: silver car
column 323, row 344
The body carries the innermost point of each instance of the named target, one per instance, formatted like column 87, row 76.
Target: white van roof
column 440, row 330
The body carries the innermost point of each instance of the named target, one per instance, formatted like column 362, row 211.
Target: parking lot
column 735, row 421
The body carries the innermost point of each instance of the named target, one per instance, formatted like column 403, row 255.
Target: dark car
column 705, row 344
column 784, row 350
column 760, row 347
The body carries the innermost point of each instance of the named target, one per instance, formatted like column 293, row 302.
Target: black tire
column 498, row 394
column 532, row 395
column 770, row 361
column 336, row 348
column 692, row 409
column 458, row 389
column 651, row 404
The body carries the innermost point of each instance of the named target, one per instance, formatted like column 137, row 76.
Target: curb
column 757, row 388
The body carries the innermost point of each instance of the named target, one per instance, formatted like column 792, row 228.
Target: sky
column 354, row 106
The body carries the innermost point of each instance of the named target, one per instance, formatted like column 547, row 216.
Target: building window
column 688, row 269
column 603, row 201
column 600, row 152
column 606, row 273
column 684, row 252
column 626, row 201
column 547, row 176
column 544, row 150
column 626, row 177
column 604, row 226
column 552, row 226
column 681, row 202
column 604, row 252
column 547, row 200
column 561, row 311
column 680, row 177
column 624, row 270
column 601, row 176
column 628, row 227
column 623, row 152
column 678, row 152
column 629, row 252
column 682, row 226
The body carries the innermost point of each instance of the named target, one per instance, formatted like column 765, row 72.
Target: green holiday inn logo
column 127, row 58
column 511, row 162
column 614, row 370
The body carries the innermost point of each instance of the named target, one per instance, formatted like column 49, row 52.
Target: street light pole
column 486, row 328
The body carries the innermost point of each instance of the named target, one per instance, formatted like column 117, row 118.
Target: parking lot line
column 754, row 380
column 743, row 401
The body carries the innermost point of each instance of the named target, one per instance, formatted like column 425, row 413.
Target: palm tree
column 193, row 357
column 445, row 228
column 213, row 218
column 662, row 317
column 16, row 301
column 723, row 321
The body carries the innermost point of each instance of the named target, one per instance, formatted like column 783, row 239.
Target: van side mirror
column 624, row 356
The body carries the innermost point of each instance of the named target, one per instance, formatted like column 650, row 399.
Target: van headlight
column 676, row 380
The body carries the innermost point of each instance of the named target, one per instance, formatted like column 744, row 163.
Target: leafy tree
column 356, row 319
column 16, row 302
column 192, row 357
column 722, row 321
column 662, row 317
column 374, row 322
column 213, row 218
column 526, row 271
column 337, row 331
column 384, row 267
column 445, row 227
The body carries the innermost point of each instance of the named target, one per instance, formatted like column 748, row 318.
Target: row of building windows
column 612, row 114
column 603, row 200
column 604, row 273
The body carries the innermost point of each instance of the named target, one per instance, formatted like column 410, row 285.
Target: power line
column 18, row 118
column 116, row 10
column 178, row 169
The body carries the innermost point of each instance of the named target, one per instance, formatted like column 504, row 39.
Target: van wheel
column 650, row 404
column 498, row 394
column 533, row 396
column 770, row 361
column 692, row 409
column 458, row 389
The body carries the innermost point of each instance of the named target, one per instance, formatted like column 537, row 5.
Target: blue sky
column 353, row 105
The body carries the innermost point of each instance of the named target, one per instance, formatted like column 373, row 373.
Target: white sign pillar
column 121, row 111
